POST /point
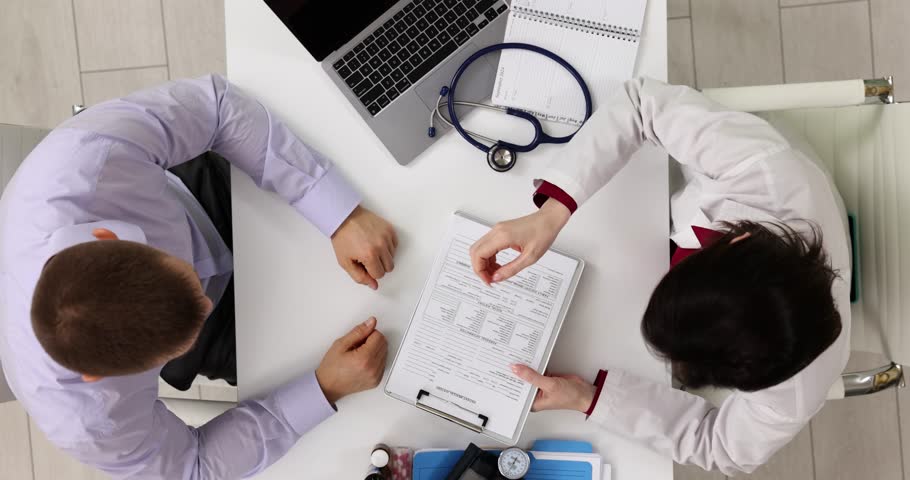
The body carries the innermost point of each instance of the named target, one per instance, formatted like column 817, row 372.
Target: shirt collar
column 72, row 235
column 705, row 237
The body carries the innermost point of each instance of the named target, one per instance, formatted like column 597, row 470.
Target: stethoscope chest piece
column 500, row 158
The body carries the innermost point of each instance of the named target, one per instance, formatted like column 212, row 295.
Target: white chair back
column 867, row 150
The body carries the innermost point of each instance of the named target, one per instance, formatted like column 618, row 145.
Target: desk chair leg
column 871, row 381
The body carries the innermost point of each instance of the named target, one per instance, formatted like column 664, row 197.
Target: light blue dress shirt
column 106, row 168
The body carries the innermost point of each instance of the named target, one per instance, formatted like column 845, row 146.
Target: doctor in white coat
column 757, row 298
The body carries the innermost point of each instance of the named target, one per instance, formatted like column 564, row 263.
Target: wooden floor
column 56, row 53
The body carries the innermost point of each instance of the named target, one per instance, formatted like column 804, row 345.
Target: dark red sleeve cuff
column 599, row 383
column 548, row 190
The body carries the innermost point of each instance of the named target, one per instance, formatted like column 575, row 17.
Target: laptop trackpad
column 475, row 85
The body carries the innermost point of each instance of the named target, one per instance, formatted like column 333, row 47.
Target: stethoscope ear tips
column 444, row 91
column 431, row 132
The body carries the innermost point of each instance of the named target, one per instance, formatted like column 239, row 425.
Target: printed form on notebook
column 465, row 335
column 599, row 38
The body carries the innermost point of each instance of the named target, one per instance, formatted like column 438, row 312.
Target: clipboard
column 459, row 407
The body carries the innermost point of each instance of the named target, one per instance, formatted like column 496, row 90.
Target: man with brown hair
column 74, row 320
column 116, row 266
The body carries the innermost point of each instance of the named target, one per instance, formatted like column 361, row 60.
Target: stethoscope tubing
column 471, row 137
column 436, row 113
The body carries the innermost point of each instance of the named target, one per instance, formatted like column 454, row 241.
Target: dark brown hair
column 746, row 315
column 114, row 307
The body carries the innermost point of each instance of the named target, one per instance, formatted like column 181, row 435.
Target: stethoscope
column 501, row 155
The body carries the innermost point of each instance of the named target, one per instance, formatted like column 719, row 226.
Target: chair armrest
column 871, row 381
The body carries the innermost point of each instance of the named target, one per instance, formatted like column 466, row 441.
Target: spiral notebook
column 599, row 38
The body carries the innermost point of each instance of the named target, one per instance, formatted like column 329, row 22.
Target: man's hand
column 354, row 363
column 365, row 247
column 532, row 235
column 557, row 392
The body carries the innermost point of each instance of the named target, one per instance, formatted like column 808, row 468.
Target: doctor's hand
column 557, row 392
column 365, row 247
column 531, row 235
column 354, row 363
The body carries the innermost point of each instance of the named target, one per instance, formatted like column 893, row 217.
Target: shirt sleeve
column 738, row 436
column 682, row 121
column 180, row 120
column 239, row 443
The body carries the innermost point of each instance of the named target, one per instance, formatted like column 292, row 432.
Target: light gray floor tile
column 199, row 23
column 677, row 8
column 31, row 137
column 737, row 42
column 793, row 3
column 903, row 407
column 52, row 464
column 15, row 451
column 39, row 70
column 101, row 86
column 827, row 42
column 119, row 34
column 858, row 437
column 793, row 462
column 681, row 62
column 891, row 43
column 10, row 157
column 6, row 395
column 691, row 472
column 16, row 143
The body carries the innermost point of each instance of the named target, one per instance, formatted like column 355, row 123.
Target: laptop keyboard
column 402, row 50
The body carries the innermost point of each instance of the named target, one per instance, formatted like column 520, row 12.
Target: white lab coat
column 736, row 167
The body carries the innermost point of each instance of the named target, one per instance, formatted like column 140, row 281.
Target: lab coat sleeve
column 739, row 436
column 685, row 123
column 178, row 121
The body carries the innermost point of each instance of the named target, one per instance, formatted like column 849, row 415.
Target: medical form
column 464, row 335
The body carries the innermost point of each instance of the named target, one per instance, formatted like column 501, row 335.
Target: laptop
column 390, row 58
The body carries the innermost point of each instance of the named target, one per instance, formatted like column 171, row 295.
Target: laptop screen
column 324, row 25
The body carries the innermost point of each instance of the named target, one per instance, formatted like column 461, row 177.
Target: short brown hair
column 113, row 307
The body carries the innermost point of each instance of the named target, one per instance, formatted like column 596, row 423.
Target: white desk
column 293, row 300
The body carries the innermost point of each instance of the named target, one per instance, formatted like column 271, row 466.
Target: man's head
column 747, row 312
column 114, row 307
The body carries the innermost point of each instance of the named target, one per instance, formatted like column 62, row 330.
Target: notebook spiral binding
column 579, row 28
column 597, row 28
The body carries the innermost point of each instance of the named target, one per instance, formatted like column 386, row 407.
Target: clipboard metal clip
column 457, row 414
